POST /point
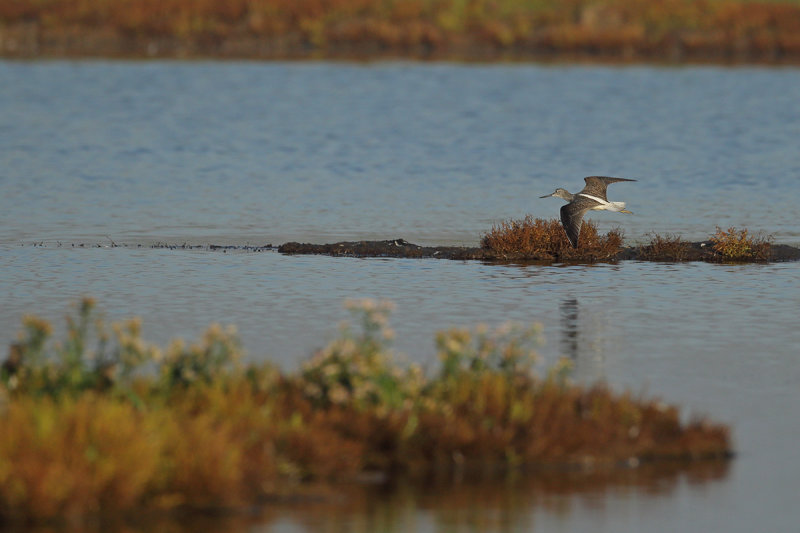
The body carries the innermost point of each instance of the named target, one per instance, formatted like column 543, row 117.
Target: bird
column 592, row 197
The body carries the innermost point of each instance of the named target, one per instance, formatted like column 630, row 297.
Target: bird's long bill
column 547, row 195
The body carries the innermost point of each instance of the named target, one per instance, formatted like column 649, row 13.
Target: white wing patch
column 603, row 205
column 595, row 198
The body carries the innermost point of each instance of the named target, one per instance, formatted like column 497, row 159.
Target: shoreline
column 34, row 41
column 400, row 248
column 695, row 251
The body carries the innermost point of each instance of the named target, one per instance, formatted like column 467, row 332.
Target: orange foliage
column 227, row 436
column 622, row 28
column 545, row 240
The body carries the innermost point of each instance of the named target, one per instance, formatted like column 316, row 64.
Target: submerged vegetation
column 104, row 421
column 626, row 29
column 545, row 240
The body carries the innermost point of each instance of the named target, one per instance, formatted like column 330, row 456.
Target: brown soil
column 391, row 248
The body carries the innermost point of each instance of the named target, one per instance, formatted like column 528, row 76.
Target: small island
column 544, row 241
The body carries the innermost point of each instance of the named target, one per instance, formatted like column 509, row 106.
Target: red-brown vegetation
column 668, row 247
column 545, row 240
column 622, row 29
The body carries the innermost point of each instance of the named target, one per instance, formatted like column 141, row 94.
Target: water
column 435, row 153
column 235, row 153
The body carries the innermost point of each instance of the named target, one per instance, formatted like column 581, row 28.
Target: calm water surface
column 234, row 153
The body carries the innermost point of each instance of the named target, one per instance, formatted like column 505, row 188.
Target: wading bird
column 593, row 196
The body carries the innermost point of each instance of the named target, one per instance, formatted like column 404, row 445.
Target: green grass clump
column 545, row 240
column 739, row 245
column 104, row 422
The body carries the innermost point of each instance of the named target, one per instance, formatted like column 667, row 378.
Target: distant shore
column 724, row 31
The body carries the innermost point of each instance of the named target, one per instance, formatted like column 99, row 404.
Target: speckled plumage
column 592, row 196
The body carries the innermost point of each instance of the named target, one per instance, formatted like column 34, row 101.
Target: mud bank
column 224, row 248
column 696, row 251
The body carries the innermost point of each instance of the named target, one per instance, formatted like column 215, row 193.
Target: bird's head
column 559, row 193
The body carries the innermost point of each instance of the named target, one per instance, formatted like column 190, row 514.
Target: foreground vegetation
column 667, row 29
column 105, row 422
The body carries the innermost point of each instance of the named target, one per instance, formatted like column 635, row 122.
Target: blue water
column 234, row 153
column 433, row 153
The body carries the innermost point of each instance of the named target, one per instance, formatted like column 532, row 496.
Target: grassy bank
column 718, row 30
column 105, row 422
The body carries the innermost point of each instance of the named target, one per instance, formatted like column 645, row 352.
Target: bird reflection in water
column 583, row 339
column 569, row 327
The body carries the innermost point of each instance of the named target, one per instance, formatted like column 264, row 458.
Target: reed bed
column 622, row 28
column 105, row 422
column 537, row 239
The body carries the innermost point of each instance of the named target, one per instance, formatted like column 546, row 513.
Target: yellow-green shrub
column 199, row 430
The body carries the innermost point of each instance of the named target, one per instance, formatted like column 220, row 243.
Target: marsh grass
column 545, row 240
column 614, row 26
column 669, row 247
column 105, row 422
column 740, row 245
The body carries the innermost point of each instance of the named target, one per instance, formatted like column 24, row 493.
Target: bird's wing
column 597, row 185
column 572, row 217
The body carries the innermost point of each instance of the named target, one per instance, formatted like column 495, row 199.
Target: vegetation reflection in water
column 105, row 422
column 512, row 502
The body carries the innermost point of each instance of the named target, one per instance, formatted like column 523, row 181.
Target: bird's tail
column 619, row 207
